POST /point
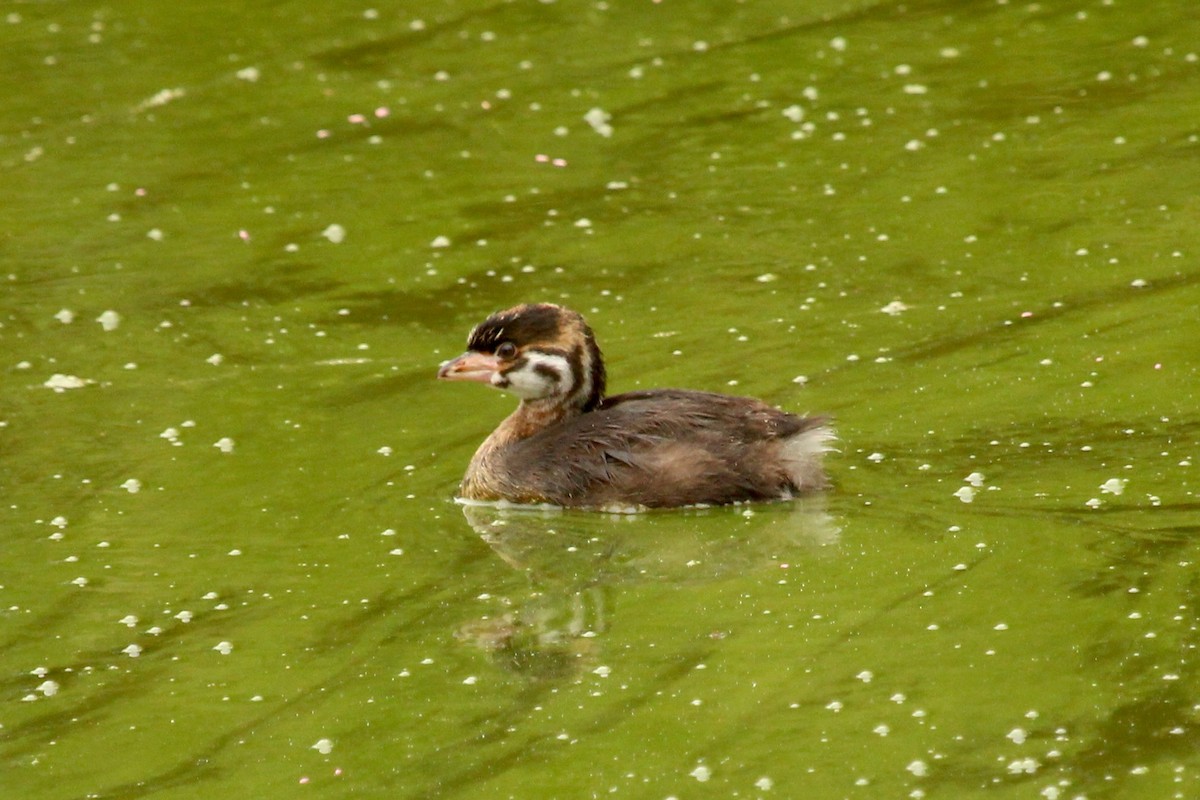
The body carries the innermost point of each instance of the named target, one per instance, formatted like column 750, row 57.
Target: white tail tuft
column 801, row 456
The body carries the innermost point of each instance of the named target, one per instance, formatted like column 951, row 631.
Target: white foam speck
column 224, row 648
column 133, row 486
column 598, row 119
column 1113, row 486
column 335, row 233
column 323, row 746
column 109, row 320
column 966, row 494
column 224, row 444
column 60, row 383
column 701, row 773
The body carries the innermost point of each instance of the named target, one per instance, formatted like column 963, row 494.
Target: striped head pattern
column 542, row 352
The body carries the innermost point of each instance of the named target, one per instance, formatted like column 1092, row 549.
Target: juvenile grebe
column 569, row 445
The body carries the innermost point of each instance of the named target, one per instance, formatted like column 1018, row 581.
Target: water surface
column 232, row 559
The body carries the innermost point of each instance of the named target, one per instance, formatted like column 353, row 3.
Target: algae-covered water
column 237, row 239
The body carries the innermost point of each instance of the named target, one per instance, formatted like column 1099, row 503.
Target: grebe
column 569, row 445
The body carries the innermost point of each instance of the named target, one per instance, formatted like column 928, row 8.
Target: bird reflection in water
column 581, row 564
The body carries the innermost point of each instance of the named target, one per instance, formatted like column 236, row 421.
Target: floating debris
column 109, row 320
column 894, row 308
column 60, row 383
column 323, row 746
column 598, row 119
column 334, row 233
column 1113, row 486
column 224, row 444
column 161, row 98
column 133, row 486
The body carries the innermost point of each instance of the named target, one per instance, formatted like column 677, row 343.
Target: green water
column 303, row 608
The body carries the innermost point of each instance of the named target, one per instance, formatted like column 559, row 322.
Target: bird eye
column 506, row 350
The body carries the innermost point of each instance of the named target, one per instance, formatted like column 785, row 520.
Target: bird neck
column 533, row 416
column 483, row 481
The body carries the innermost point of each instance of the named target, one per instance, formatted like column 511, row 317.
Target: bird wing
column 659, row 448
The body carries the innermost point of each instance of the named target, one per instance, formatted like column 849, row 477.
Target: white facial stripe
column 540, row 376
column 585, row 385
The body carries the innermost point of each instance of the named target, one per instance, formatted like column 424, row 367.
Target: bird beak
column 470, row 366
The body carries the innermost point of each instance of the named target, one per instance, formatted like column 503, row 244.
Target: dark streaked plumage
column 567, row 444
